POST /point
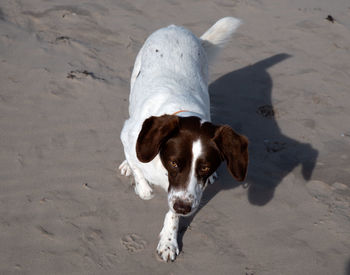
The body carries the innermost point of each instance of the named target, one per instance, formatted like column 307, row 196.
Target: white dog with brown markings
column 169, row 139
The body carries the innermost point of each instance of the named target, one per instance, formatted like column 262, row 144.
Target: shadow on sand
column 242, row 99
column 347, row 268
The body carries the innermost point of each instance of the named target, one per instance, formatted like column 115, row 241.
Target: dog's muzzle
column 182, row 207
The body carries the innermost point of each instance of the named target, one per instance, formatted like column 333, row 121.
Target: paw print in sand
column 133, row 243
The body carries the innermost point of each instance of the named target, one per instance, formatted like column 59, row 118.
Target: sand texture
column 284, row 81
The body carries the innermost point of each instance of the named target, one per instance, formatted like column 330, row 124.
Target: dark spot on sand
column 83, row 74
column 62, row 38
column 44, row 231
column 86, row 185
column 330, row 18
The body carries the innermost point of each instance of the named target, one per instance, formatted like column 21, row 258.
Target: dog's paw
column 143, row 190
column 125, row 169
column 213, row 178
column 167, row 250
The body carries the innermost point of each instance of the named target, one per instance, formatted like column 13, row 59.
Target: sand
column 283, row 81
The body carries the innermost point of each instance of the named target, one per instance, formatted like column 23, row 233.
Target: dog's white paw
column 167, row 250
column 213, row 178
column 125, row 169
column 143, row 190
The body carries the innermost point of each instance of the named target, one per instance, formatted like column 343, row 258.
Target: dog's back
column 171, row 64
column 172, row 68
column 172, row 50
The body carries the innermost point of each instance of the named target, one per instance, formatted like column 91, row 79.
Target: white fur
column 170, row 74
column 194, row 187
column 193, row 193
column 218, row 35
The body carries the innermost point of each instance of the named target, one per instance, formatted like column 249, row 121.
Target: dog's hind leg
column 142, row 188
column 125, row 169
column 128, row 167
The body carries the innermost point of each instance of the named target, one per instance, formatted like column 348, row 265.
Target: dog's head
column 191, row 152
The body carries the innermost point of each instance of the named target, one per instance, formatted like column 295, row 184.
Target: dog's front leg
column 167, row 247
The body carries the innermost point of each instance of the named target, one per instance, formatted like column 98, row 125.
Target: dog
column 169, row 139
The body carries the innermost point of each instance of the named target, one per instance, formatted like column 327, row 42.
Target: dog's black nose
column 182, row 207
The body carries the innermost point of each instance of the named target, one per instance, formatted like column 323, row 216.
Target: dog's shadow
column 242, row 99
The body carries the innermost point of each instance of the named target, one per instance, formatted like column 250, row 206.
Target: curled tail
column 216, row 37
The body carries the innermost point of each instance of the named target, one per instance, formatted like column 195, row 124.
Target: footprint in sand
column 133, row 243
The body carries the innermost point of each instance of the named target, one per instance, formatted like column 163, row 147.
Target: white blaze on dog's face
column 191, row 151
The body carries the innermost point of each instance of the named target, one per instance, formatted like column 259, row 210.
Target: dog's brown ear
column 234, row 148
column 155, row 130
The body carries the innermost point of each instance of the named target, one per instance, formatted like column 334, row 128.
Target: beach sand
column 283, row 81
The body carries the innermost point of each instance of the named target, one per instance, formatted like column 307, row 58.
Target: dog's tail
column 218, row 35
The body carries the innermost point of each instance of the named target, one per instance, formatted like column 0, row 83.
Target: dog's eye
column 173, row 164
column 205, row 169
